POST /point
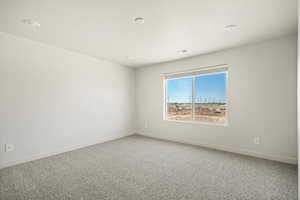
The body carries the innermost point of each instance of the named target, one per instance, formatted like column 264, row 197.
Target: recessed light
column 230, row 27
column 139, row 20
column 183, row 51
column 31, row 22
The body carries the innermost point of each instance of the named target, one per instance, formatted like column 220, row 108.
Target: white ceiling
column 105, row 28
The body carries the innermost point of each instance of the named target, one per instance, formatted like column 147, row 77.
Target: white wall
column 53, row 100
column 262, row 101
column 298, row 98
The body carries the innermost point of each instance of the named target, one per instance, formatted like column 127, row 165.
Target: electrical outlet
column 9, row 147
column 256, row 140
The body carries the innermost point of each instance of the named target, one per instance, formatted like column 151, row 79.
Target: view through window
column 200, row 97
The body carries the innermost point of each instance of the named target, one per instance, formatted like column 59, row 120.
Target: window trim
column 165, row 86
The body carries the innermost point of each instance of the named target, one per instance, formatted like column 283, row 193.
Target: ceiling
column 106, row 29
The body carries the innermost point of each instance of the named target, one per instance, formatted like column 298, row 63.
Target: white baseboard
column 284, row 159
column 63, row 150
column 290, row 160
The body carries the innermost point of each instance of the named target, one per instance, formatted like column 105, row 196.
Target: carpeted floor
column 140, row 168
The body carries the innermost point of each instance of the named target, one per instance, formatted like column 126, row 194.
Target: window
column 197, row 96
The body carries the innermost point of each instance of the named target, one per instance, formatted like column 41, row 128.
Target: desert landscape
column 209, row 112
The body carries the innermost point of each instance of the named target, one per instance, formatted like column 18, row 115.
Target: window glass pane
column 210, row 97
column 179, row 99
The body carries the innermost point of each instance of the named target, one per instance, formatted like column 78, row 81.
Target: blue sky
column 208, row 88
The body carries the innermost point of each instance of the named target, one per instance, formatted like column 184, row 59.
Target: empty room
column 149, row 100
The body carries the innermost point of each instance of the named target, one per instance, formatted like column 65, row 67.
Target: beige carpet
column 140, row 168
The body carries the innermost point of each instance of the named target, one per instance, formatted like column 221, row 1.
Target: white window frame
column 193, row 121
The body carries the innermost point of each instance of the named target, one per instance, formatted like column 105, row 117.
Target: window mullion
column 193, row 98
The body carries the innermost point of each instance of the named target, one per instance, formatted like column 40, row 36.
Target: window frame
column 193, row 121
